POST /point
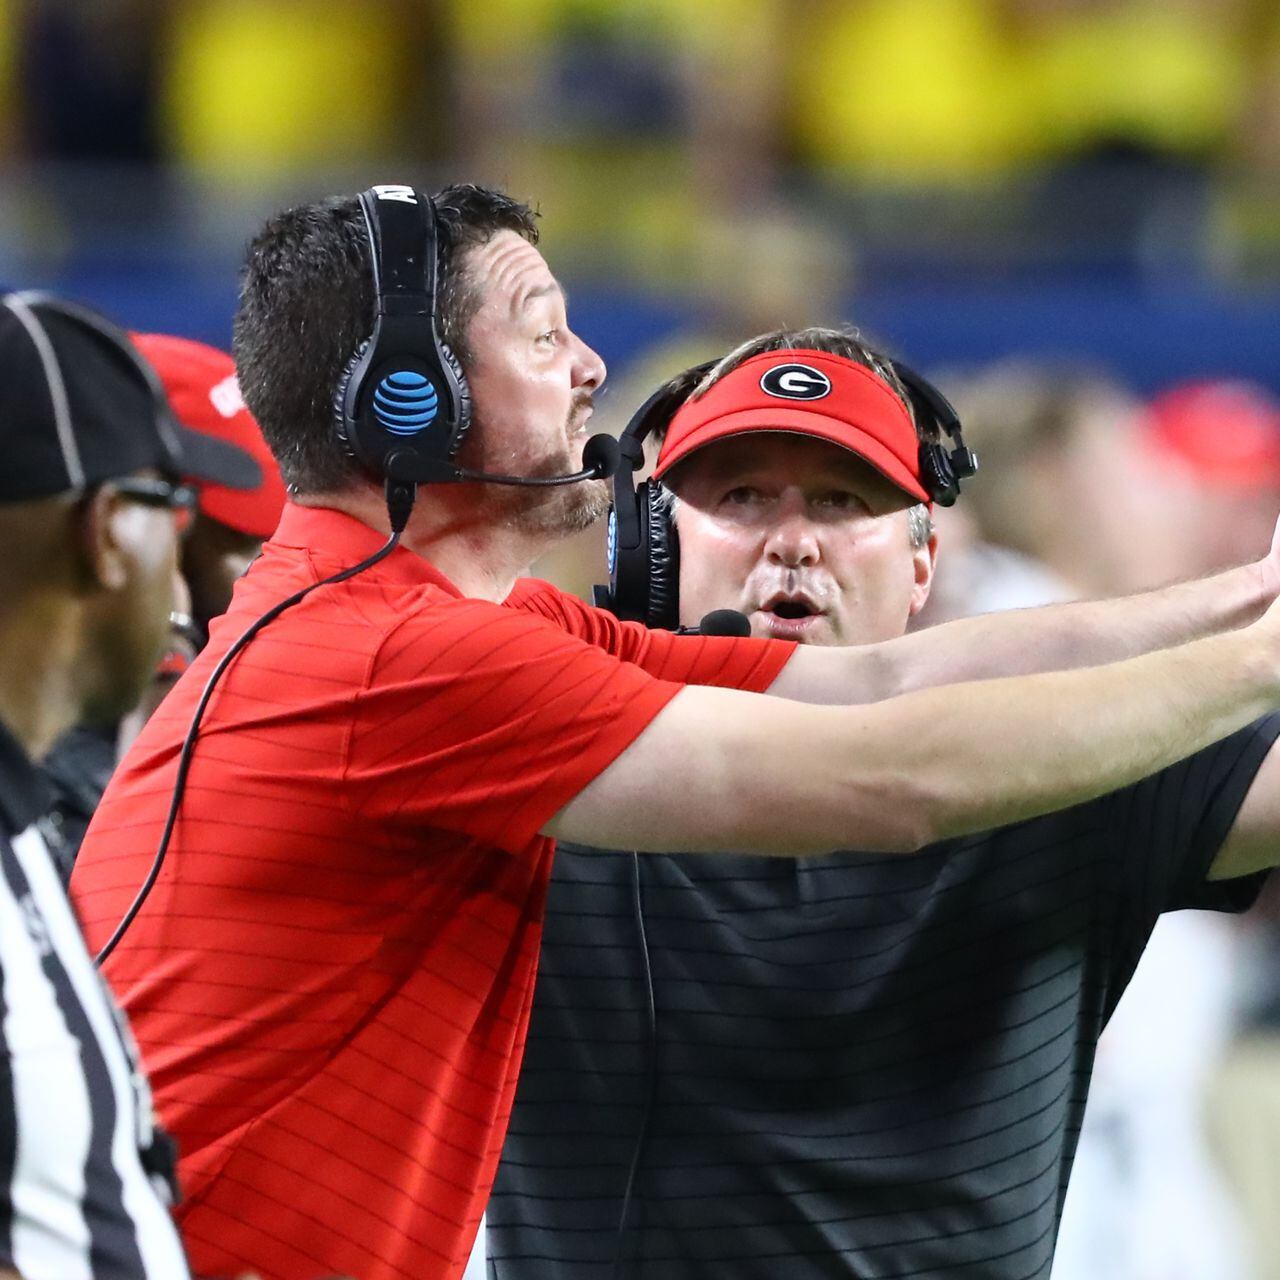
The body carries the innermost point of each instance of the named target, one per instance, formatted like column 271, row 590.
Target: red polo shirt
column 331, row 980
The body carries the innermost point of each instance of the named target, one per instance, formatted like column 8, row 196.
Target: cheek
column 715, row 562
column 878, row 573
column 138, row 623
column 155, row 566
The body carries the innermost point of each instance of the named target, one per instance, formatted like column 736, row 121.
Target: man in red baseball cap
column 783, row 465
column 229, row 526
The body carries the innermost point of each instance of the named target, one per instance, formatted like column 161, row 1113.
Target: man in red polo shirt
column 331, row 978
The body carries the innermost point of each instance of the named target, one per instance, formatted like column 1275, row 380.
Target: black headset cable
column 400, row 498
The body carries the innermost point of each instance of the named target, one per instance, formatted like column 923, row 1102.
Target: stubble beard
column 555, row 512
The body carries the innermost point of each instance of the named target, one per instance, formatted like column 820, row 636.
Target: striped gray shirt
column 855, row 1066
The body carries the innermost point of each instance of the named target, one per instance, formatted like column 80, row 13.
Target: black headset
column 643, row 548
column 402, row 405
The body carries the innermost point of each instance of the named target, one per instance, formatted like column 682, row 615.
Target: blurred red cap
column 200, row 382
column 1226, row 432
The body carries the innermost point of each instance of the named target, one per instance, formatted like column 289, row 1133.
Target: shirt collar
column 25, row 793
column 333, row 536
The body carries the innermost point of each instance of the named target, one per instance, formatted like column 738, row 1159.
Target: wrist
column 1254, row 653
column 1259, row 587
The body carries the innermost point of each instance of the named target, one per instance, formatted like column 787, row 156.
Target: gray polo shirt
column 858, row 1065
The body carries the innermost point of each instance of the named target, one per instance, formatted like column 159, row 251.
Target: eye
column 836, row 500
column 742, row 495
column 551, row 336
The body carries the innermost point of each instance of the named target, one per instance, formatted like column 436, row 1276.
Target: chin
column 562, row 511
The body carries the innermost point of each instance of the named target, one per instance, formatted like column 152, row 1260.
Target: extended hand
column 1268, row 568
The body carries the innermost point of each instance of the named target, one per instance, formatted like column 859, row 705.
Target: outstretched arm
column 722, row 769
column 1057, row 637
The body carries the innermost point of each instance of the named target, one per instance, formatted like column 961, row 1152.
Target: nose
column 792, row 540
column 589, row 369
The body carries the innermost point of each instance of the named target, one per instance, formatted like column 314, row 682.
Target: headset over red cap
column 810, row 393
column 200, row 383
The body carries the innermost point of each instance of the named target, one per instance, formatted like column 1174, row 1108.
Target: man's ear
column 924, row 560
column 101, row 517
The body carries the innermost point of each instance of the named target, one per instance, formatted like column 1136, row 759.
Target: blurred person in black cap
column 91, row 500
column 227, row 530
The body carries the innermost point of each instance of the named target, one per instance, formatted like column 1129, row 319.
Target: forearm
column 1081, row 633
column 719, row 769
column 988, row 753
column 1058, row 637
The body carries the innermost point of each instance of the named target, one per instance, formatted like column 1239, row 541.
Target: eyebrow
column 522, row 301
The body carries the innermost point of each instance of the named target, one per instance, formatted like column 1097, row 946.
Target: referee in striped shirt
column 91, row 505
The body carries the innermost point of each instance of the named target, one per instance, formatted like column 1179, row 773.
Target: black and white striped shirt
column 857, row 1066
column 81, row 1167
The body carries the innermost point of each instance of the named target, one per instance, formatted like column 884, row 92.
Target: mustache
column 583, row 403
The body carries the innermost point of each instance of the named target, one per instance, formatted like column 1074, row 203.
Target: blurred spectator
column 1212, row 453
column 88, row 75
column 1150, row 77
column 907, row 91
column 638, row 118
column 253, row 90
column 1047, row 518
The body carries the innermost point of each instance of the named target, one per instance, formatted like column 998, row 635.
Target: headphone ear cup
column 453, row 368
column 343, row 424
column 938, row 474
column 662, row 547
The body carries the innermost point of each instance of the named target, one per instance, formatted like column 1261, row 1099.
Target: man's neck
column 481, row 557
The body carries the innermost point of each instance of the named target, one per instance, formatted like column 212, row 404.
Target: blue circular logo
column 405, row 403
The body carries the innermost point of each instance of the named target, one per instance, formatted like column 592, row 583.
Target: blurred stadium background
column 1068, row 211
column 967, row 177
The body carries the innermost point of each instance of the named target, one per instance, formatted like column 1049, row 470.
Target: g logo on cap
column 795, row 382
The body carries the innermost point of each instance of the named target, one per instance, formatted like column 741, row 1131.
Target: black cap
column 78, row 406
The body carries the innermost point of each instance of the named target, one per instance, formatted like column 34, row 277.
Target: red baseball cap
column 810, row 393
column 200, row 382
column 1227, row 432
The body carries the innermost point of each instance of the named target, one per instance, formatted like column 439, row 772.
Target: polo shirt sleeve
column 485, row 721
column 1165, row 833
column 730, row 662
